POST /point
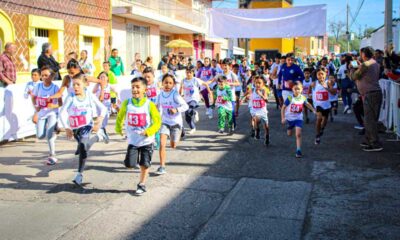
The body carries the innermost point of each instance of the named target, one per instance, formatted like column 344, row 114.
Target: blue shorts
column 279, row 92
column 295, row 123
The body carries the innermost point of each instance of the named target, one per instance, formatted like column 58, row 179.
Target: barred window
column 39, row 32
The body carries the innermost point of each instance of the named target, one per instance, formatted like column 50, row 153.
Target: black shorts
column 324, row 112
column 237, row 93
column 310, row 101
column 113, row 100
column 334, row 104
column 138, row 155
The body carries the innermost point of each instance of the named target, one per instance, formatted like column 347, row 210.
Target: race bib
column 151, row 92
column 305, row 90
column 189, row 91
column 296, row 108
column 137, row 119
column 229, row 80
column 106, row 96
column 322, row 96
column 288, row 85
column 77, row 121
column 258, row 103
column 220, row 100
column 42, row 102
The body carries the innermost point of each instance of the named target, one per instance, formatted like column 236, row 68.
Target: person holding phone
column 117, row 66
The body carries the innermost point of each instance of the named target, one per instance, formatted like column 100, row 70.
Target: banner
column 304, row 21
column 390, row 109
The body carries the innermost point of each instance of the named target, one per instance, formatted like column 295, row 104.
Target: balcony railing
column 168, row 8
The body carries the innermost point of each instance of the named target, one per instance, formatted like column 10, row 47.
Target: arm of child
column 64, row 117
column 64, row 85
column 283, row 110
column 309, row 106
column 183, row 106
column 121, row 117
column 155, row 121
column 103, row 112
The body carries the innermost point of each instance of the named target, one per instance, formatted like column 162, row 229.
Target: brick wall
column 74, row 13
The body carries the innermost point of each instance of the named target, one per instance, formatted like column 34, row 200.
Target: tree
column 368, row 31
column 336, row 28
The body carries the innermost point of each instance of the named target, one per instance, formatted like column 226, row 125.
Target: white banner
column 390, row 108
column 304, row 21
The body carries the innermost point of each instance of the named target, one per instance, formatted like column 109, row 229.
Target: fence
column 390, row 108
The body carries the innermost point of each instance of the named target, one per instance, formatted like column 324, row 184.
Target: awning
column 302, row 21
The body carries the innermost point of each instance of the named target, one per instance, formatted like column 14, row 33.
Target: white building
column 376, row 40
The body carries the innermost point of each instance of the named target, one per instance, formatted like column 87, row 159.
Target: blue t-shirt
column 286, row 73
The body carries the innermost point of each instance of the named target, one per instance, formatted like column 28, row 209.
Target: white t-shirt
column 191, row 89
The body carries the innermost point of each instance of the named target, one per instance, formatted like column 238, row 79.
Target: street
column 216, row 187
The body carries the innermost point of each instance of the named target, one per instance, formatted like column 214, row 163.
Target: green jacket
column 117, row 69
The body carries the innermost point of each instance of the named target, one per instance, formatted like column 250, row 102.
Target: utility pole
column 388, row 37
column 347, row 26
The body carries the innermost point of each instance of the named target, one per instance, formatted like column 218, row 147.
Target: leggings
column 225, row 117
column 358, row 110
column 45, row 129
column 189, row 114
column 85, row 141
column 346, row 96
column 204, row 93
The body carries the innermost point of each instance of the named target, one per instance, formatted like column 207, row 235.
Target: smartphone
column 354, row 64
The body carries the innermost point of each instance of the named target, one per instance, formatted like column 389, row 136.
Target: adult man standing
column 288, row 75
column 117, row 66
column 8, row 73
column 366, row 78
column 47, row 59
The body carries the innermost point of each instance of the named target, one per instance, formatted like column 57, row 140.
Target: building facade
column 311, row 46
column 147, row 25
column 70, row 26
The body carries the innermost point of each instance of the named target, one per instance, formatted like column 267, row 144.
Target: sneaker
column 51, row 161
column 266, row 142
column 221, row 131
column 298, row 154
column 196, row 116
column 141, row 188
column 231, row 130
column 210, row 113
column 317, row 140
column 349, row 111
column 364, row 144
column 346, row 108
column 192, row 131
column 253, row 133
column 359, row 127
column 258, row 134
column 373, row 149
column 106, row 138
column 161, row 171
column 78, row 179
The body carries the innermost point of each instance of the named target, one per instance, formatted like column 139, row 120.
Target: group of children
column 154, row 112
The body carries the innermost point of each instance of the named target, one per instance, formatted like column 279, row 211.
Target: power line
column 357, row 12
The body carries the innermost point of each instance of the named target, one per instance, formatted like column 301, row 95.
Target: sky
column 370, row 15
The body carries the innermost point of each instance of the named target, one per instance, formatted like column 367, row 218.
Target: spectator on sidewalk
column 8, row 73
column 366, row 77
column 164, row 61
column 47, row 59
column 117, row 66
column 86, row 66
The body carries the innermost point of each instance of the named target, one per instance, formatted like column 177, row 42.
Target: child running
column 190, row 89
column 35, row 76
column 321, row 89
column 206, row 73
column 77, row 118
column 171, row 105
column 142, row 121
column 333, row 96
column 292, row 114
column 46, row 111
column 223, row 102
column 258, row 108
column 104, row 91
column 307, row 91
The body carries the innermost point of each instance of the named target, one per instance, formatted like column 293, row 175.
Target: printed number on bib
column 106, row 96
column 151, row 92
column 258, row 103
column 220, row 100
column 77, row 121
column 296, row 108
column 322, row 96
column 137, row 119
column 42, row 102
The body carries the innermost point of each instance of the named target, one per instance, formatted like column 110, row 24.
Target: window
column 163, row 49
column 41, row 33
column 88, row 46
column 312, row 44
column 41, row 37
column 137, row 42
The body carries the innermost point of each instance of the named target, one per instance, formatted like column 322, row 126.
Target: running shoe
column 192, row 131
column 346, row 108
column 231, row 130
column 51, row 161
column 298, row 153
column 106, row 138
column 78, row 179
column 364, row 144
column 373, row 149
column 317, row 140
column 221, row 131
column 141, row 188
column 161, row 171
column 359, row 127
column 266, row 141
column 196, row 116
column 349, row 111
